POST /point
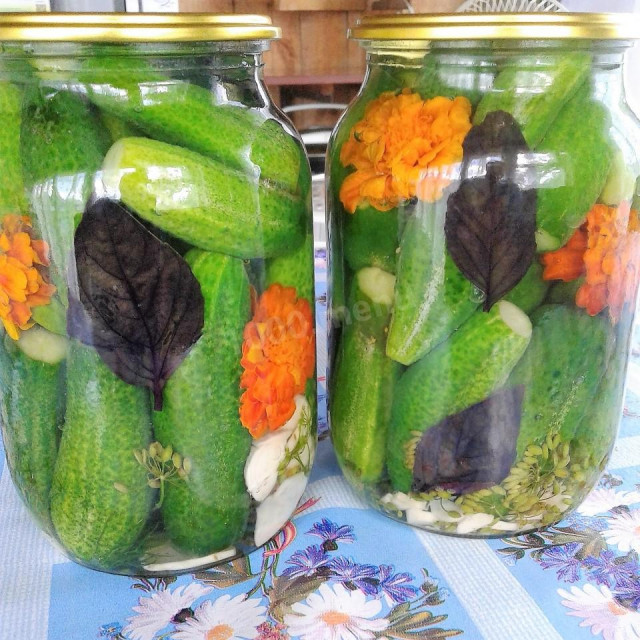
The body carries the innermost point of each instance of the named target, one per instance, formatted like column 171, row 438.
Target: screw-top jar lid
column 497, row 26
column 134, row 27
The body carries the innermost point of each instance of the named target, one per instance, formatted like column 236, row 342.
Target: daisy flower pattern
column 624, row 531
column 601, row 612
column 335, row 614
column 601, row 500
column 157, row 611
column 226, row 618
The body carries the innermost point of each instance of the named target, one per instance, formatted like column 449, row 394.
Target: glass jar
column 157, row 356
column 483, row 209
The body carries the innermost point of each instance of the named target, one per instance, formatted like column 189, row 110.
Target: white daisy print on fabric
column 226, row 618
column 624, row 531
column 335, row 614
column 601, row 613
column 602, row 500
column 155, row 612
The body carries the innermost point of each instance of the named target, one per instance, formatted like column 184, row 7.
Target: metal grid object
column 490, row 6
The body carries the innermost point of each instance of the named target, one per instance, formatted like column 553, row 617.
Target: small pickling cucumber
column 32, row 412
column 460, row 372
column 203, row 202
column 580, row 152
column 561, row 370
column 100, row 499
column 62, row 145
column 534, row 88
column 208, row 510
column 621, row 183
column 185, row 114
column 432, row 297
column 12, row 199
column 564, row 292
column 530, row 292
column 362, row 388
column 294, row 269
column 371, row 238
column 118, row 128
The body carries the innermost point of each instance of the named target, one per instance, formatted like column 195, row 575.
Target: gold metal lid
column 134, row 27
column 497, row 26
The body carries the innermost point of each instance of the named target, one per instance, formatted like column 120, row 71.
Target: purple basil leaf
column 490, row 232
column 498, row 137
column 139, row 304
column 472, row 449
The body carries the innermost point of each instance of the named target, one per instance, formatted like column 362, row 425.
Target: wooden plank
column 324, row 35
column 285, row 55
column 320, row 5
column 356, row 57
column 435, row 6
column 205, row 6
column 263, row 7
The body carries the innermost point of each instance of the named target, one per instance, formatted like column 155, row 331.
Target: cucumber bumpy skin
column 362, row 388
column 185, row 114
column 32, row 413
column 208, row 510
column 12, row 199
column 581, row 151
column 462, row 371
column 534, row 88
column 371, row 238
column 432, row 297
column 530, row 292
column 62, row 145
column 294, row 270
column 100, row 499
column 561, row 371
column 201, row 201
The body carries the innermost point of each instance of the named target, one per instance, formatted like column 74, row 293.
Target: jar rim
column 135, row 27
column 497, row 26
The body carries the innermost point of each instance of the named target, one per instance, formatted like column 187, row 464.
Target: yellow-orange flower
column 606, row 249
column 404, row 147
column 22, row 285
column 278, row 357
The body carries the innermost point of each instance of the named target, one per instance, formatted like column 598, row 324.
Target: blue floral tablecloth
column 340, row 571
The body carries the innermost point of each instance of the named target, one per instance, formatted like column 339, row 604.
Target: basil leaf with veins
column 491, row 218
column 136, row 300
column 473, row 449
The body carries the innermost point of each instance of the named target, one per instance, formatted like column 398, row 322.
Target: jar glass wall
column 157, row 357
column 485, row 252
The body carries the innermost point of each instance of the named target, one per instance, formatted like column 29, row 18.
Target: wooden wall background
column 314, row 61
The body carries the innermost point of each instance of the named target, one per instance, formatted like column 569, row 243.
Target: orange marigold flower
column 22, row 283
column 606, row 250
column 278, row 357
column 404, row 147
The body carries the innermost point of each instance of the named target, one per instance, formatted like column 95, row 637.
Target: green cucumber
column 185, row 114
column 118, row 128
column 474, row 362
column 100, row 499
column 208, row 510
column 363, row 382
column 581, row 153
column 32, row 413
column 534, row 88
column 564, row 292
column 621, row 183
column 530, row 292
column 294, row 269
column 203, row 202
column 12, row 197
column 62, row 145
column 432, row 297
column 371, row 238
column 561, row 371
